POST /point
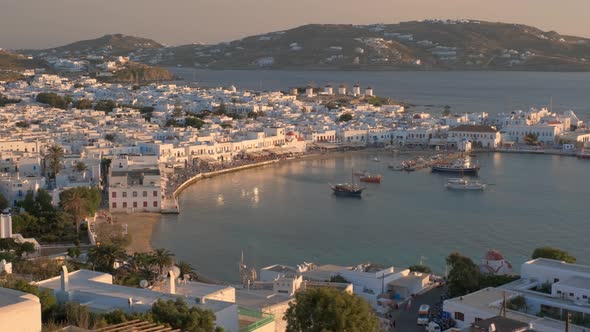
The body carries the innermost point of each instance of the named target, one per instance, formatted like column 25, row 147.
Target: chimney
column 65, row 279
column 492, row 328
column 172, row 284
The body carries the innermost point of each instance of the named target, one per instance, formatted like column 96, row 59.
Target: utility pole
column 567, row 320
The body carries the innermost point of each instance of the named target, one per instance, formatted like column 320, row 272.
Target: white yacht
column 464, row 184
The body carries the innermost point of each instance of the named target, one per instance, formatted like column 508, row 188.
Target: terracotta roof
column 475, row 128
column 494, row 255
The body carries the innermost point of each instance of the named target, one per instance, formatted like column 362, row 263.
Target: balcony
column 251, row 320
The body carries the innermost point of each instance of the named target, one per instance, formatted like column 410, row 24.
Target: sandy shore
column 140, row 226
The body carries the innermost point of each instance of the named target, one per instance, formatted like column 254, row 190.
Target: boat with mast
column 347, row 189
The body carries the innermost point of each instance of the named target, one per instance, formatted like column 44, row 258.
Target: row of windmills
column 328, row 90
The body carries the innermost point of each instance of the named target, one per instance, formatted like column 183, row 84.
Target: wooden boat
column 371, row 178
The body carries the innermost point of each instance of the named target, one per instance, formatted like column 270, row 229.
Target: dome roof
column 493, row 255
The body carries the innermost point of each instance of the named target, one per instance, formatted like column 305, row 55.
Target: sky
column 50, row 23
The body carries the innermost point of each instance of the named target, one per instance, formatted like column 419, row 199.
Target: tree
column 81, row 166
column 464, row 276
column 531, row 139
column 54, row 156
column 102, row 258
column 185, row 269
column 554, row 253
column 345, row 117
column 54, row 100
column 142, row 262
column 3, row 202
column 329, row 309
column 194, row 122
column 83, row 104
column 420, row 268
column 179, row 315
column 25, row 248
column 74, row 252
column 75, row 204
column 162, row 258
column 105, row 106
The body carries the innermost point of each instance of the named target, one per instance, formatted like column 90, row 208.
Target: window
column 459, row 316
column 134, row 204
column 145, row 194
column 571, row 294
column 155, row 204
column 135, row 194
column 584, row 296
column 155, row 193
column 477, row 319
column 114, row 194
column 124, row 194
column 124, row 205
column 114, row 205
column 144, row 204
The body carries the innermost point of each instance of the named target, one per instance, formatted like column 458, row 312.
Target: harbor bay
column 475, row 91
column 286, row 213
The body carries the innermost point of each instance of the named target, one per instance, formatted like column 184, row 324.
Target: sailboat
column 347, row 189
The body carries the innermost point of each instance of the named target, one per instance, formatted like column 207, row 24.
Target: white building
column 135, row 184
column 19, row 312
column 548, row 287
column 545, row 133
column 480, row 136
column 97, row 291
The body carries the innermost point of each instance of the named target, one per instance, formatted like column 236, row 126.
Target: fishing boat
column 459, row 166
column 463, row 184
column 584, row 153
column 376, row 159
column 347, row 189
column 359, row 173
column 371, row 178
column 399, row 167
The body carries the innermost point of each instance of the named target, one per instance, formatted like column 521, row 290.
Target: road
column 405, row 320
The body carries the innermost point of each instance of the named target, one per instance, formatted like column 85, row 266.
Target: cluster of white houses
column 548, row 291
column 146, row 149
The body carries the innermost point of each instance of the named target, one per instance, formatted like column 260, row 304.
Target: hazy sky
column 47, row 23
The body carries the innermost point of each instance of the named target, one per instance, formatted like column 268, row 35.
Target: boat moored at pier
column 459, row 166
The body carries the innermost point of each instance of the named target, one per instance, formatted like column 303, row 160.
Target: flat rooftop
column 102, row 295
column 259, row 299
column 10, row 296
column 551, row 263
column 578, row 282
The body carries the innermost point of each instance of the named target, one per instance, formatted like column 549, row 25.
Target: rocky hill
column 13, row 64
column 113, row 45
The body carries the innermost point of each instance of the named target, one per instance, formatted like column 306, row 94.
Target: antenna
column 551, row 104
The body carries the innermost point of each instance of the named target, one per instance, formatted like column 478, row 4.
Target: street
column 406, row 319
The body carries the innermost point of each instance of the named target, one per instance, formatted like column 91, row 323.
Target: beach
column 140, row 226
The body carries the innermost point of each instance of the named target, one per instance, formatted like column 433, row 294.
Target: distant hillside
column 424, row 45
column 12, row 64
column 116, row 44
column 418, row 45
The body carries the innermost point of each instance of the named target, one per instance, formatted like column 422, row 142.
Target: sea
column 287, row 214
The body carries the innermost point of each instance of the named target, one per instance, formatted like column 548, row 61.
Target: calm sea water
column 492, row 92
column 287, row 214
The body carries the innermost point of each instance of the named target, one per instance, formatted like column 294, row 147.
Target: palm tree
column 162, row 258
column 142, row 262
column 185, row 269
column 75, row 203
column 54, row 156
column 81, row 166
column 103, row 257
